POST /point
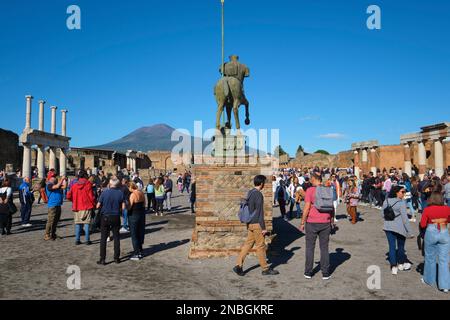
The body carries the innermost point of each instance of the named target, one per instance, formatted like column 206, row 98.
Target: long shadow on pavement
column 286, row 234
column 336, row 259
column 160, row 247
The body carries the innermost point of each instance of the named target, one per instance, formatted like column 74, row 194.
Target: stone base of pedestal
column 220, row 188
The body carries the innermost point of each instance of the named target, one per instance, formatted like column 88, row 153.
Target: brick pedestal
column 218, row 231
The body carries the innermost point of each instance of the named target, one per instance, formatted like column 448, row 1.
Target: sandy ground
column 33, row 269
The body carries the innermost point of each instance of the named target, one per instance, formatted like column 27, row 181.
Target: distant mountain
column 156, row 137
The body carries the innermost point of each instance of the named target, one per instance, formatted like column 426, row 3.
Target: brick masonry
column 220, row 188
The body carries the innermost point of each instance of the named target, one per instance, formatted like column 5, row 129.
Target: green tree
column 322, row 152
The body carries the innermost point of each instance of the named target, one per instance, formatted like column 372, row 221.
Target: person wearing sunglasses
column 398, row 229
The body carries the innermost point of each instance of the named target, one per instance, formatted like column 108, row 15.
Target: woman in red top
column 435, row 219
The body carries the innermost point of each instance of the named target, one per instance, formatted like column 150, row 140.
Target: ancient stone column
column 438, row 158
column 407, row 158
column 133, row 162
column 28, row 112
column 41, row 161
column 365, row 165
column 373, row 161
column 41, row 148
column 41, row 115
column 26, row 164
column 64, row 123
column 422, row 159
column 62, row 152
column 62, row 162
column 356, row 163
column 52, row 164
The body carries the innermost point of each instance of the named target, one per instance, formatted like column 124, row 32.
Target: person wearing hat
column 55, row 195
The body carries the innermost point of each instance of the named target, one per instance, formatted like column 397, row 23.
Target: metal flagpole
column 223, row 49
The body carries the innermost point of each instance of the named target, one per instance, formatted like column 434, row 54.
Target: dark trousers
column 396, row 248
column 137, row 231
column 282, row 204
column 3, row 222
column 110, row 223
column 8, row 224
column 159, row 205
column 151, row 201
column 314, row 230
column 25, row 213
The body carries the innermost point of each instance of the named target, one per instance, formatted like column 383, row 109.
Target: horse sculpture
column 229, row 95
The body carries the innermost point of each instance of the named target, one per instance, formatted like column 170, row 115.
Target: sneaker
column 101, row 262
column 88, row 243
column 135, row 258
column 270, row 272
column 404, row 267
column 335, row 220
column 445, row 291
column 286, row 219
column 307, row 276
column 238, row 270
column 123, row 230
column 27, row 225
column 394, row 271
column 78, row 243
column 109, row 239
column 326, row 277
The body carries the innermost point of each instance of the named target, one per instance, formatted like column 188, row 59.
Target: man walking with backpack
column 256, row 229
column 316, row 222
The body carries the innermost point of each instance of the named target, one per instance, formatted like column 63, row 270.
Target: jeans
column 151, row 201
column 437, row 247
column 169, row 200
column 78, row 228
column 108, row 223
column 125, row 219
column 409, row 203
column 299, row 210
column 25, row 213
column 448, row 202
column 159, row 205
column 396, row 248
column 137, row 231
column 314, row 230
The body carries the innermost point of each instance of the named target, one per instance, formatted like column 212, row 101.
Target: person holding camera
column 55, row 195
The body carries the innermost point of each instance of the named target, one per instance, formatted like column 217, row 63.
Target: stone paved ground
column 33, row 269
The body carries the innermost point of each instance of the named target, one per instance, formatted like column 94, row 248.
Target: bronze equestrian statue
column 229, row 92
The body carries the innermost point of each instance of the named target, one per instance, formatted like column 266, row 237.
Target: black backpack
column 389, row 213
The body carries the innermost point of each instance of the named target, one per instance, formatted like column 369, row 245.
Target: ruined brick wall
column 218, row 231
column 10, row 153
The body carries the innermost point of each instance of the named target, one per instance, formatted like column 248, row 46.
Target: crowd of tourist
column 118, row 204
column 111, row 204
column 316, row 193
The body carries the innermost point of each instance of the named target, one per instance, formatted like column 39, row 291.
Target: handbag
column 12, row 207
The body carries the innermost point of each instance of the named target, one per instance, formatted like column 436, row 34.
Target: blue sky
column 317, row 73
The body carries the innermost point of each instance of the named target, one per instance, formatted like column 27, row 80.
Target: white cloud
column 336, row 136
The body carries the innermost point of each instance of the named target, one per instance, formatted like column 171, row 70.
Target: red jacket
column 82, row 196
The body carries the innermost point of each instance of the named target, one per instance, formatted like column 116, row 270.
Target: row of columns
column 26, row 167
column 366, row 159
column 131, row 164
column 422, row 157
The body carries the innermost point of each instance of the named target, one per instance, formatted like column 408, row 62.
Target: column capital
column 64, row 111
column 42, row 101
column 54, row 107
column 29, row 97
